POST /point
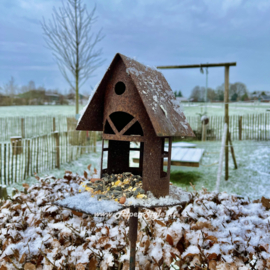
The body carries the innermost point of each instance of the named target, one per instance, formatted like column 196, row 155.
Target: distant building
column 181, row 99
column 265, row 98
column 257, row 95
column 52, row 99
column 71, row 97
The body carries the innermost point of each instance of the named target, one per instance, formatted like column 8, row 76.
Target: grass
column 184, row 178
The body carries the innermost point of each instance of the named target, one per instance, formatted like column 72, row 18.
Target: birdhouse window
column 120, row 119
column 105, row 149
column 135, row 149
column 108, row 129
column 122, row 123
column 120, row 88
column 164, row 164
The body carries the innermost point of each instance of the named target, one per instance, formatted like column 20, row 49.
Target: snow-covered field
column 193, row 109
column 7, row 111
column 250, row 179
column 190, row 109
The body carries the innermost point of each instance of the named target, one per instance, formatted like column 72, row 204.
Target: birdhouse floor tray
column 85, row 203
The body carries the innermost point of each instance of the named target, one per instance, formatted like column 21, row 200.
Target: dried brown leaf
column 211, row 238
column 125, row 266
column 3, row 267
column 16, row 207
column 29, row 266
column 85, row 174
column 212, row 256
column 23, row 257
column 169, row 239
column 201, row 225
column 108, row 230
column 181, row 245
column 146, row 245
column 79, row 214
column 16, row 254
column 95, row 171
column 160, row 223
column 93, row 264
column 26, row 186
column 266, row 202
column 68, row 172
column 102, row 240
column 212, row 265
column 80, row 266
column 107, row 246
column 85, row 245
column 89, row 167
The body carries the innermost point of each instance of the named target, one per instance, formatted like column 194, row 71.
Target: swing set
column 226, row 102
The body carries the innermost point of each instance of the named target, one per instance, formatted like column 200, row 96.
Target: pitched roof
column 157, row 97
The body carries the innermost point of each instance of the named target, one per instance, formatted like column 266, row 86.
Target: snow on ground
column 190, row 109
column 214, row 230
column 251, row 179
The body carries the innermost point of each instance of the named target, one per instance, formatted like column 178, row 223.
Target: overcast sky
column 155, row 32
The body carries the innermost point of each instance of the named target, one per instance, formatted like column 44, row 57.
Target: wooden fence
column 30, row 126
column 246, row 127
column 42, row 153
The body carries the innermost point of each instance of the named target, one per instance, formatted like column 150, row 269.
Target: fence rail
column 31, row 126
column 21, row 159
column 246, row 127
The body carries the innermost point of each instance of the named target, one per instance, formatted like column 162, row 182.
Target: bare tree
column 10, row 89
column 69, row 35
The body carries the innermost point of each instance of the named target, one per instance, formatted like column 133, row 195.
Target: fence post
column 5, row 169
column 221, row 155
column 0, row 163
column 95, row 141
column 28, row 157
column 240, row 127
column 226, row 102
column 56, row 136
column 54, row 127
column 204, row 132
column 3, row 192
column 232, row 151
column 23, row 128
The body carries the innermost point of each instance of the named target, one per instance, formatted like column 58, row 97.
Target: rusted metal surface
column 154, row 92
column 134, row 103
column 133, row 230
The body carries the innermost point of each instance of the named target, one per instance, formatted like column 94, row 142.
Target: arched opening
column 120, row 120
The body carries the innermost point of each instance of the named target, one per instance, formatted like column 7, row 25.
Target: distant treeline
column 237, row 92
column 11, row 94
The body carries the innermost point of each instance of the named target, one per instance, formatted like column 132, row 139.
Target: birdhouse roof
column 157, row 97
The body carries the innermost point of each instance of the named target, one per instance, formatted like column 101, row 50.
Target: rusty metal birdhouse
column 134, row 103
